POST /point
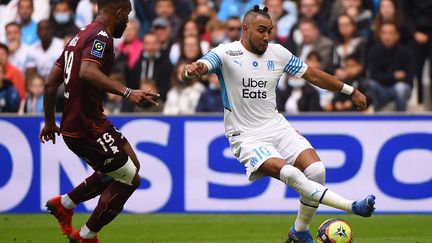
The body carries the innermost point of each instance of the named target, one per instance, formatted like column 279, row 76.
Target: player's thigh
column 131, row 153
column 272, row 167
column 103, row 153
column 295, row 148
column 252, row 153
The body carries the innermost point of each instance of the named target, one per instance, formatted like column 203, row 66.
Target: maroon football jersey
column 82, row 115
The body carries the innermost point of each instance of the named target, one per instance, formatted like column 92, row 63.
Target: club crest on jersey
column 98, row 48
column 270, row 65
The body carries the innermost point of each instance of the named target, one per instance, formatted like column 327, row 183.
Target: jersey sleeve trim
column 295, row 67
column 91, row 60
column 213, row 60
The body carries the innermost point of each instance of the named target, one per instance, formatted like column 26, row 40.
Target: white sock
column 67, row 202
column 308, row 208
column 86, row 233
column 316, row 192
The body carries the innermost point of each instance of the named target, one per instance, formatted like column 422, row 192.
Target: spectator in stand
column 183, row 97
column 355, row 9
column 389, row 12
column 84, row 13
column 391, row 70
column 62, row 19
column 211, row 99
column 188, row 28
column 348, row 42
column 309, row 9
column 11, row 72
column 28, row 26
column 190, row 49
column 205, row 16
column 237, row 8
column 155, row 65
column 314, row 60
column 46, row 51
column 420, row 15
column 9, row 98
column 33, row 102
column 355, row 76
column 162, row 29
column 19, row 53
column 166, row 9
column 298, row 96
column 129, row 55
column 283, row 19
column 314, row 41
column 233, row 29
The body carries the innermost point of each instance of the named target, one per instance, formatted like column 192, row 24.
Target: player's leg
column 62, row 206
column 113, row 198
column 310, row 164
column 293, row 177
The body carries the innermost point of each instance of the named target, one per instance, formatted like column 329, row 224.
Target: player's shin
column 110, row 204
column 91, row 187
column 316, row 192
column 307, row 207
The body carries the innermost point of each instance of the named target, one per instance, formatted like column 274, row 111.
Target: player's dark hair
column 4, row 47
column 255, row 11
column 104, row 3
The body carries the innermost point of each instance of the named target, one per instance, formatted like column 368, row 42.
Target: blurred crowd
column 378, row 46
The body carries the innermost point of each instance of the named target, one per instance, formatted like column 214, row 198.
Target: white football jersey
column 248, row 83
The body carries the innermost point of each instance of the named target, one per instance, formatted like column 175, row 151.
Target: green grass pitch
column 201, row 228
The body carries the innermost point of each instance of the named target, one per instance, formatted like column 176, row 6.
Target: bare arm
column 329, row 82
column 195, row 69
column 55, row 78
column 90, row 72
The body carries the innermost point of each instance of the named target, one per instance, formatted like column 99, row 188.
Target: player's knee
column 316, row 172
column 136, row 181
column 292, row 176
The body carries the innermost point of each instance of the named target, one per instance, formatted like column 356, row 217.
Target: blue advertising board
column 187, row 165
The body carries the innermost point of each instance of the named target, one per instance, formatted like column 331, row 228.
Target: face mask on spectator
column 296, row 83
column 62, row 18
column 202, row 20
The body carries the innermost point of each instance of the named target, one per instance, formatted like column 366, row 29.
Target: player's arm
column 90, row 72
column 329, row 82
column 55, row 78
column 193, row 70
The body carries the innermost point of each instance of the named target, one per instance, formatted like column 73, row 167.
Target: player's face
column 259, row 34
column 123, row 19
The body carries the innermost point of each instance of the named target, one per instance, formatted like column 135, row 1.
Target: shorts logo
column 98, row 48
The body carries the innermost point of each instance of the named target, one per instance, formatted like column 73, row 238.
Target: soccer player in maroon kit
column 84, row 67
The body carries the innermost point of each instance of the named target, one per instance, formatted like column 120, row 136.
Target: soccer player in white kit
column 260, row 137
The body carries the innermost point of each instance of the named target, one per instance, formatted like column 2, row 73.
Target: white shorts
column 253, row 149
column 124, row 174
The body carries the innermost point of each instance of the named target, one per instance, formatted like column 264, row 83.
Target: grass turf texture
column 182, row 228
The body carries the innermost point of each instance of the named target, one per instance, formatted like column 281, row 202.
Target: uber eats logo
column 255, row 92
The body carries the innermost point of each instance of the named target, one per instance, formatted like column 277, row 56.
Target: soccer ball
column 334, row 231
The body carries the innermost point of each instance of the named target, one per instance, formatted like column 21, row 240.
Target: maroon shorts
column 104, row 153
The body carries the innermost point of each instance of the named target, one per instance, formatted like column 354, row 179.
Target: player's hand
column 48, row 133
column 195, row 69
column 139, row 97
column 359, row 100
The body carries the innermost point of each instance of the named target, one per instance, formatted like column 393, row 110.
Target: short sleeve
column 213, row 59
column 294, row 66
column 97, row 47
column 61, row 61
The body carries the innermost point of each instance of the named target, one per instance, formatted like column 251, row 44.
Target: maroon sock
column 91, row 187
column 110, row 204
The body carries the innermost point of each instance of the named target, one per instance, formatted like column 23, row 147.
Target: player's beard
column 119, row 29
column 255, row 49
